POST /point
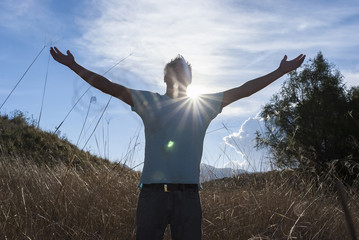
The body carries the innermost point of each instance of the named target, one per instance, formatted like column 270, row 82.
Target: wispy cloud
column 222, row 39
column 23, row 15
column 227, row 42
column 14, row 14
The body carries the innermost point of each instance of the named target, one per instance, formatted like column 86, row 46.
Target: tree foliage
column 313, row 122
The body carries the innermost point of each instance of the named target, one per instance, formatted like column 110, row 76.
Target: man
column 175, row 127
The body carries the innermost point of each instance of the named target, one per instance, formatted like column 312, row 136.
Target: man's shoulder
column 145, row 93
column 146, row 98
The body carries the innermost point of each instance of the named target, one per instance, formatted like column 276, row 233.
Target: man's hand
column 94, row 79
column 257, row 84
column 67, row 60
column 287, row 66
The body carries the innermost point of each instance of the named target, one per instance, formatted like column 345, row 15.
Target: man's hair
column 179, row 59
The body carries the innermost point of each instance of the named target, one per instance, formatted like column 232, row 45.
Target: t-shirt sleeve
column 142, row 102
column 212, row 104
column 139, row 99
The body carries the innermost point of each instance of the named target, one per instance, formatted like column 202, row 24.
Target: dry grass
column 39, row 202
column 273, row 206
column 42, row 203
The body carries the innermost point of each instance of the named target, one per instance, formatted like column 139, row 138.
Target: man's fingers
column 53, row 53
column 299, row 57
column 299, row 60
column 302, row 58
column 290, row 65
column 58, row 52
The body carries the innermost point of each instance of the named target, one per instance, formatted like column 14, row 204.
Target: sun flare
column 193, row 92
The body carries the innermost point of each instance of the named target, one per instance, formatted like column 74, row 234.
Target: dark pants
column 181, row 209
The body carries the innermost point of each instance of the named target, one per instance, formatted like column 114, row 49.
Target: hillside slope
column 20, row 138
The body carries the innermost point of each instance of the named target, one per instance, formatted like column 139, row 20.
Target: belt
column 169, row 187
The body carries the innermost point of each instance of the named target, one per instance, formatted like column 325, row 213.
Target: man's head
column 178, row 71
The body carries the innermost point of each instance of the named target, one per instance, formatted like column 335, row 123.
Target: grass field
column 41, row 198
column 39, row 202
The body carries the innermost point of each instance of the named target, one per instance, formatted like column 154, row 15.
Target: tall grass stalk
column 43, row 92
column 28, row 68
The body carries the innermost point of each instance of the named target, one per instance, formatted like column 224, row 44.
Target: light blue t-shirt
column 174, row 133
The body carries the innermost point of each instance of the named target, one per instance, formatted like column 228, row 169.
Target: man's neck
column 176, row 93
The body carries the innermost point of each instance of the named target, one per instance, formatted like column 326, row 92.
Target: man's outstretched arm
column 94, row 79
column 257, row 84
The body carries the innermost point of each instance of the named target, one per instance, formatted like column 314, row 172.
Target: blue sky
column 227, row 43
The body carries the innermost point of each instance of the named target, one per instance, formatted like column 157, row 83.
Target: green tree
column 312, row 124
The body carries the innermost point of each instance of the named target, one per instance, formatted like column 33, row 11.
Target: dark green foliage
column 20, row 138
column 313, row 123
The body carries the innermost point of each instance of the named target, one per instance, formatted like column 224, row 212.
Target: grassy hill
column 40, row 198
column 20, row 138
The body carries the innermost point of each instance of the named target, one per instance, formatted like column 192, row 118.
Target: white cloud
column 224, row 40
column 351, row 77
column 243, row 142
column 236, row 165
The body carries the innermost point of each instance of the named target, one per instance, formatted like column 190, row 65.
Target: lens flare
column 193, row 92
column 170, row 144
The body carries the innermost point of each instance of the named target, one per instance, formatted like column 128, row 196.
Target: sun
column 193, row 92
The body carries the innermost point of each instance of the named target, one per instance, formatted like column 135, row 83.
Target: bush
column 312, row 123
